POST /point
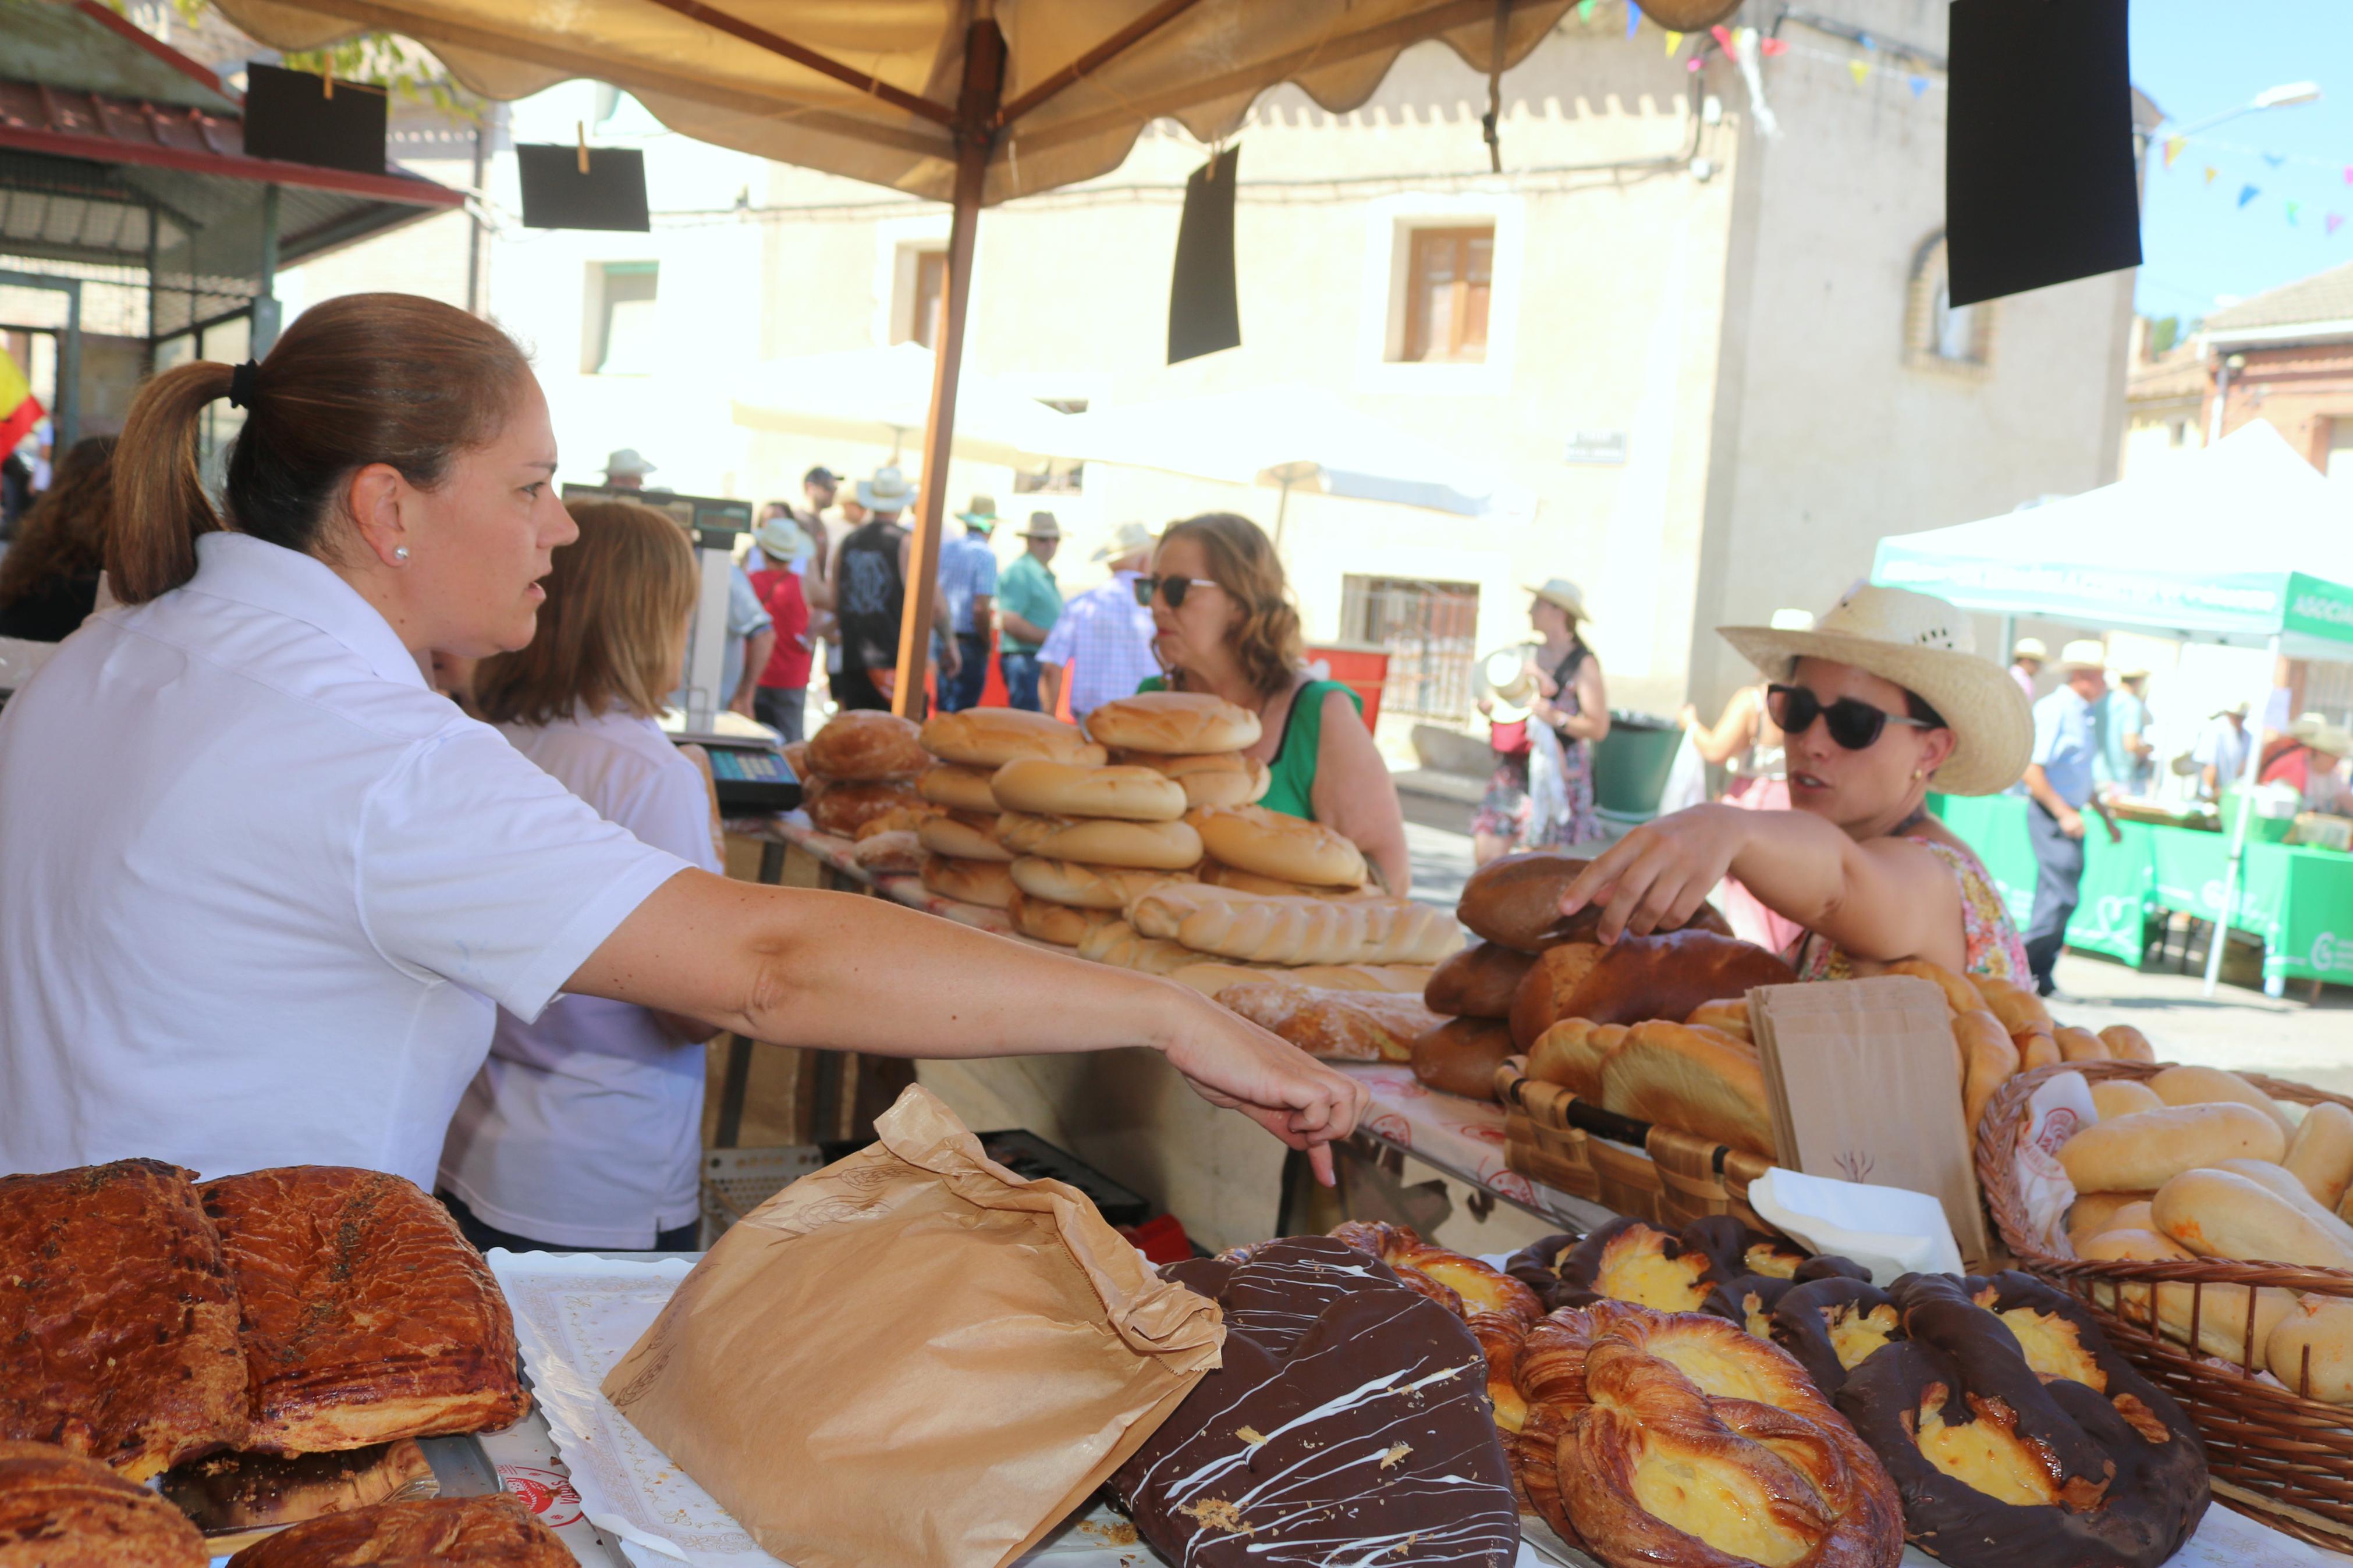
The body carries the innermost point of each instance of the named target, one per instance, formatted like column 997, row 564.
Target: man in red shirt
column 783, row 692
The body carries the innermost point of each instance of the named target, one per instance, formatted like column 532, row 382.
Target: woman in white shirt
column 261, row 889
column 585, row 1129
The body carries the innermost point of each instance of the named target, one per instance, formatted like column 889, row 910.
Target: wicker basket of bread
column 2204, row 1237
column 1653, row 1173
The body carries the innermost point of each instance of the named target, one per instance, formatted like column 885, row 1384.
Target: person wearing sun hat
column 1885, row 699
column 2027, row 657
column 2062, row 778
column 1547, row 751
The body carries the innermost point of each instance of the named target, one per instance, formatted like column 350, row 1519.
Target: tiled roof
column 2323, row 297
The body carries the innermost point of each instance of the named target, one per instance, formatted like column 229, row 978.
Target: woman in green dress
column 1224, row 623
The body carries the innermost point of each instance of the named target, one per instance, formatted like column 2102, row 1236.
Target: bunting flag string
column 2334, row 222
column 1860, row 70
column 2173, row 146
column 2211, row 171
column 2248, row 193
column 1633, row 18
column 1674, row 40
column 2291, row 208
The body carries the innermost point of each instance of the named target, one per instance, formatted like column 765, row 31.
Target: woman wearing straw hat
column 1555, row 700
column 1885, row 698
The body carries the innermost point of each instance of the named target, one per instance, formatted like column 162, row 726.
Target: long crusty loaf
column 1271, row 929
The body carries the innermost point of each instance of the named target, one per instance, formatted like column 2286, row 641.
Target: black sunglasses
column 1854, row 724
column 1172, row 589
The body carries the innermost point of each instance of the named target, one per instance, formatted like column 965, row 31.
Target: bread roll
column 985, row 739
column 2079, row 1045
column 1543, row 996
column 1084, row 887
column 1252, row 839
column 1208, row 778
column 1116, row 943
column 2311, row 1350
column 2036, row 1048
column 1405, row 979
column 2223, row 1310
column 1210, row 979
column 2134, row 1154
column 1989, row 1060
column 2126, row 1044
column 1140, row 846
column 898, row 819
column 1572, row 1053
column 868, row 747
column 843, row 808
column 897, row 853
column 1182, row 721
column 2210, row 1086
column 2223, row 1214
column 1339, row 1026
column 983, row 882
column 796, row 759
column 2277, row 1180
column 2097, row 1212
column 2320, row 1153
column 1667, row 976
column 1700, row 1081
column 959, row 840
column 1461, row 1055
column 2115, row 1097
column 1058, row 923
column 1265, row 930
column 2017, row 1007
column 1729, row 1014
column 1477, row 983
column 1217, row 876
column 1959, row 995
column 948, row 783
column 1514, row 901
column 1070, row 789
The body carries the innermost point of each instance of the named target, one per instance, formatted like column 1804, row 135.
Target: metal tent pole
column 2222, row 937
column 975, row 135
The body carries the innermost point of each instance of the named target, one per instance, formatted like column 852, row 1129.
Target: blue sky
column 2199, row 57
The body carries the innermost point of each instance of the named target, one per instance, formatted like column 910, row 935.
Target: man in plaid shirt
column 1102, row 643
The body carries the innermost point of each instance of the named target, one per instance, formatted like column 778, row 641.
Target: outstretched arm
column 1887, row 898
column 1732, row 732
column 798, row 967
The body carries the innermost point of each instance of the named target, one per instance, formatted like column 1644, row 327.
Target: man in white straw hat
column 2128, row 756
column 1883, row 698
column 2221, row 752
column 2061, row 777
column 1101, row 643
column 1545, row 752
column 1029, row 603
column 869, row 595
column 2310, row 758
column 2027, row 657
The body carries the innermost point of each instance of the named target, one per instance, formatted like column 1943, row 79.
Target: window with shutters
column 1449, row 288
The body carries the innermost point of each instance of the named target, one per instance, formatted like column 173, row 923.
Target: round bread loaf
column 1209, row 778
column 1461, row 1055
column 869, row 746
column 991, row 737
column 1058, row 923
column 1477, row 983
column 959, row 840
column 1084, row 887
column 1068, row 789
column 844, row 808
column 1252, row 839
column 1141, row 846
column 951, row 783
column 983, row 882
column 1173, row 722
column 1514, row 901
column 1217, row 876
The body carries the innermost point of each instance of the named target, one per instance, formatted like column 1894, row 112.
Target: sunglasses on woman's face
column 1171, row 590
column 1854, row 724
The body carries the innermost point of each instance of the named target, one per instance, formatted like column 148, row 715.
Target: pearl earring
column 400, row 552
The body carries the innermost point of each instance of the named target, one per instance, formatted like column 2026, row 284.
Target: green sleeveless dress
column 1291, row 788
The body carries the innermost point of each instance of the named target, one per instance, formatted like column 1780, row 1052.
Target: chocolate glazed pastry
column 1349, row 1422
column 2017, row 1434
column 1516, row 902
column 1832, row 1325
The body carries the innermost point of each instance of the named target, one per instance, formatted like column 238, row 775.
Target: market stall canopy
column 1297, row 438
column 871, row 89
column 2238, row 543
column 882, row 396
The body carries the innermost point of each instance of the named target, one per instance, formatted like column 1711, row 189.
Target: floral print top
column 1987, row 933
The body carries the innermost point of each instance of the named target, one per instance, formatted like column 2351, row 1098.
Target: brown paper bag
column 913, row 1356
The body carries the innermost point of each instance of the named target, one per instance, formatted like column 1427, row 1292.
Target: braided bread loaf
column 1273, row 929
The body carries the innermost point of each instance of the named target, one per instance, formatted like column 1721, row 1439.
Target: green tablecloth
column 2297, row 900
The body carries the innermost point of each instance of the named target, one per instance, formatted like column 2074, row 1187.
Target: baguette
column 1220, row 876
column 2115, row 1097
column 1273, row 929
column 2282, row 1183
column 2221, row 1311
column 2212, row 1086
column 2222, row 1213
column 1477, row 982
column 1059, row 923
column 2311, row 1351
column 1290, row 848
column 2095, row 1214
column 963, row 788
column 1542, row 997
column 1161, row 847
column 959, row 840
column 1115, row 943
column 1989, row 1060
column 2320, row 1155
column 2134, row 1154
column 1082, row 887
column 1405, row 979
column 1071, row 789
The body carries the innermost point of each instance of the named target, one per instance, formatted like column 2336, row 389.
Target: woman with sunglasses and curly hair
column 1223, row 623
column 1885, row 699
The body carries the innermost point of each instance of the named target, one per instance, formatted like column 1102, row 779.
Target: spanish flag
column 19, row 409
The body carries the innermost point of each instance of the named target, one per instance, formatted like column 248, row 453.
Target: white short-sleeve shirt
column 585, row 1128
column 261, row 888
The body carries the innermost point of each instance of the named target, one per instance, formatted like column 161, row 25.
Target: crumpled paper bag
column 913, row 1356
column 2059, row 1108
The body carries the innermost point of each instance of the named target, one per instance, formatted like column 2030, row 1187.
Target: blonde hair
column 614, row 625
column 1266, row 642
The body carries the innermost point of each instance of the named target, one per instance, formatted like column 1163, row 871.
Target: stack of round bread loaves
column 964, row 859
column 860, row 766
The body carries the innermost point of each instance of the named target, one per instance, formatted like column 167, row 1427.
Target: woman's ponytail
column 160, row 505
